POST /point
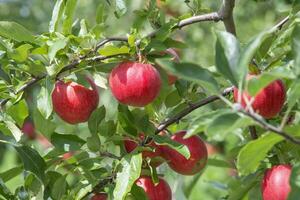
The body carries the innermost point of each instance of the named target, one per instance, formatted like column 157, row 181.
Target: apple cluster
column 138, row 84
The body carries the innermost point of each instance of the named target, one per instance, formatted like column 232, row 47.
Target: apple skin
column 135, row 84
column 29, row 130
column 130, row 145
column 268, row 102
column 99, row 196
column 161, row 191
column 73, row 102
column 275, row 184
column 178, row 162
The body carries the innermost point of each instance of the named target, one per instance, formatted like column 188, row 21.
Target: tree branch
column 261, row 121
column 226, row 12
column 162, row 126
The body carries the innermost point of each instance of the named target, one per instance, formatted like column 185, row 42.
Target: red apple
column 161, row 191
column 268, row 102
column 276, row 183
column 67, row 155
column 135, row 84
column 198, row 154
column 155, row 155
column 29, row 130
column 99, row 196
column 73, row 102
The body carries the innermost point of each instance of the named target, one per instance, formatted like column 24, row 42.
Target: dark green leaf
column 191, row 72
column 95, row 119
column 32, row 161
column 66, row 142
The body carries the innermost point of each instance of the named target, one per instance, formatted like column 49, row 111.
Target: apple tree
column 118, row 105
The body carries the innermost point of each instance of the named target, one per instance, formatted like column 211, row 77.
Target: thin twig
column 109, row 155
column 162, row 126
column 226, row 12
column 261, row 121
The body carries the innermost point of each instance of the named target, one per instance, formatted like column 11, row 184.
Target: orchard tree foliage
column 98, row 116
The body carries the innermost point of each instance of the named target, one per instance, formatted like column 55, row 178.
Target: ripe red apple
column 275, row 184
column 29, row 130
column 73, row 102
column 155, row 155
column 135, row 84
column 178, row 162
column 268, row 102
column 161, row 191
column 99, row 196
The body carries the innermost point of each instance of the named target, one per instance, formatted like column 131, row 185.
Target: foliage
column 78, row 43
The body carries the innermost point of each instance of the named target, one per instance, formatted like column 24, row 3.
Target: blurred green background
column 251, row 17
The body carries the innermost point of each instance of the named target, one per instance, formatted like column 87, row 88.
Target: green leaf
column 19, row 112
column 296, row 48
column 191, row 72
column 218, row 163
column 5, row 192
column 11, row 173
column 56, row 15
column 173, row 99
column 137, row 193
column 294, row 94
column 227, row 56
column 93, row 143
column 44, row 126
column 68, row 16
column 16, row 132
column 44, row 104
column 238, row 188
column 254, row 152
column 252, row 47
column 55, row 46
column 131, row 169
column 101, row 15
column 223, row 124
column 120, row 9
column 21, row 53
column 180, row 148
column 32, row 161
column 113, row 50
column 126, row 120
column 95, row 119
column 59, row 188
column 295, row 183
column 67, row 142
column 15, row 31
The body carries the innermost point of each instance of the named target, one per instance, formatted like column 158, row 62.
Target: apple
column 99, row 196
column 67, row 155
column 155, row 155
column 135, row 84
column 161, row 191
column 275, row 184
column 73, row 102
column 29, row 130
column 268, row 102
column 181, row 165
